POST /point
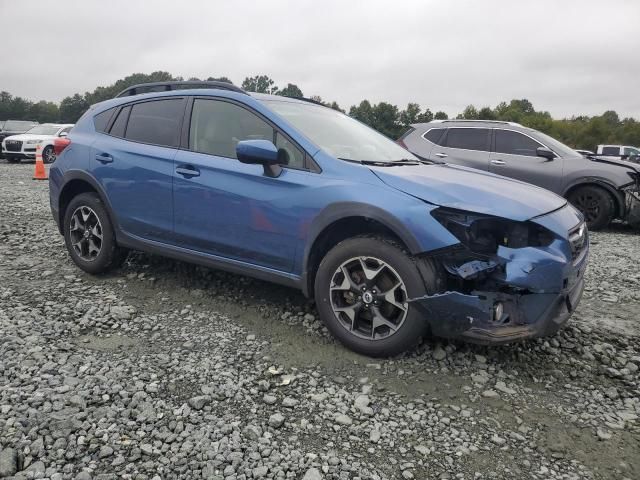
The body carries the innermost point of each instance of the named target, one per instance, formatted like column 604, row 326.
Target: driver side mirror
column 261, row 152
column 545, row 153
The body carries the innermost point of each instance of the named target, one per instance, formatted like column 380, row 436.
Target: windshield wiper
column 393, row 163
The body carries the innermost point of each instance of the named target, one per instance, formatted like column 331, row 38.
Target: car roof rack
column 501, row 122
column 176, row 85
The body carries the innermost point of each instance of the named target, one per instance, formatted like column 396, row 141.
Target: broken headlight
column 483, row 234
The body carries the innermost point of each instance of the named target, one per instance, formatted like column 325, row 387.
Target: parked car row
column 16, row 147
column 602, row 188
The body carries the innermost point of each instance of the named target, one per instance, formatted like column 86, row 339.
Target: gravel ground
column 163, row 370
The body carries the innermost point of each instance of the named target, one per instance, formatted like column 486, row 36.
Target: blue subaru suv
column 390, row 246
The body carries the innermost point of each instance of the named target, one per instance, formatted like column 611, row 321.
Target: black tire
column 48, row 155
column 13, row 160
column 411, row 329
column 110, row 255
column 596, row 204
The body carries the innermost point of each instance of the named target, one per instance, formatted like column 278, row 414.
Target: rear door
column 514, row 155
column 133, row 161
column 468, row 146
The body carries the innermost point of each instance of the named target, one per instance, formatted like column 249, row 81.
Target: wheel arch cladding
column 76, row 183
column 339, row 222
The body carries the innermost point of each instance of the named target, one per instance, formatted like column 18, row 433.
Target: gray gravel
column 163, row 370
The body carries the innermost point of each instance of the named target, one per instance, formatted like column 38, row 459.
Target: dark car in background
column 602, row 189
column 15, row 127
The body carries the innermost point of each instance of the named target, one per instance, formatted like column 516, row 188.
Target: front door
column 230, row 209
column 515, row 156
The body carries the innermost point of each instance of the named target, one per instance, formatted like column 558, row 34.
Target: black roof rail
column 175, row 85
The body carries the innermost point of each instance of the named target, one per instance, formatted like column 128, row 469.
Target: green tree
column 72, row 108
column 440, row 115
column 259, row 84
column 219, row 79
column 291, row 90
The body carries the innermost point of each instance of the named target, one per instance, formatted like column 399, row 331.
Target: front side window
column 217, row 127
column 156, row 122
column 468, row 138
column 289, row 154
column 435, row 135
column 514, row 143
column 631, row 152
column 610, row 151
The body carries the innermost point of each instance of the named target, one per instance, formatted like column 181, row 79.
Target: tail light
column 59, row 144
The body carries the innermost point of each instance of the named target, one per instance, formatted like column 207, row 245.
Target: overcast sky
column 567, row 57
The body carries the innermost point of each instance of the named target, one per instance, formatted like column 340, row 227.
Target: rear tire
column 595, row 203
column 89, row 235
column 368, row 311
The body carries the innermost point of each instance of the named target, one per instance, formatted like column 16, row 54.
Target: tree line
column 392, row 121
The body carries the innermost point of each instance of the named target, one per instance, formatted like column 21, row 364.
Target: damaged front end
column 508, row 280
column 632, row 201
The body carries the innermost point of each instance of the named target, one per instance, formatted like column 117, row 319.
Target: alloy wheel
column 86, row 233
column 369, row 298
column 589, row 205
column 48, row 155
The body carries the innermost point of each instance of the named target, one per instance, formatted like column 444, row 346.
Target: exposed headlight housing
column 483, row 234
column 33, row 142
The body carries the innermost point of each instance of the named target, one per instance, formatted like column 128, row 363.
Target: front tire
column 362, row 290
column 595, row 203
column 89, row 235
column 48, row 154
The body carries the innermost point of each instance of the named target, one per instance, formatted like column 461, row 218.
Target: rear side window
column 515, row 143
column 468, row 138
column 217, row 127
column 610, row 151
column 435, row 135
column 156, row 122
column 120, row 124
column 101, row 120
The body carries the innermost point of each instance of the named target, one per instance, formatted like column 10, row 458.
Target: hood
column 615, row 161
column 472, row 190
column 24, row 137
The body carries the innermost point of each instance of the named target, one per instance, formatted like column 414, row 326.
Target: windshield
column 558, row 147
column 44, row 130
column 17, row 126
column 338, row 134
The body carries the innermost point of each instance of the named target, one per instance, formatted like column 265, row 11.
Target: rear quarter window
column 435, row 135
column 101, row 120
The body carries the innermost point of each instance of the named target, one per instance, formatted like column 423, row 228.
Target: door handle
column 441, row 155
column 498, row 162
column 104, row 158
column 187, row 171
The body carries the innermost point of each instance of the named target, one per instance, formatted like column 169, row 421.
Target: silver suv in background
column 602, row 189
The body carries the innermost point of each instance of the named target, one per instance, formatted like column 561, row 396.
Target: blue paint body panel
column 233, row 214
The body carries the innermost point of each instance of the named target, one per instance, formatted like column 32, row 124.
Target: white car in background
column 18, row 147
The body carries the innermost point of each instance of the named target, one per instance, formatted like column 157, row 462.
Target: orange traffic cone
column 40, row 173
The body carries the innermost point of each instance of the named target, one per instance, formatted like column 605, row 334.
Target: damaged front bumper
column 632, row 207
column 517, row 293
